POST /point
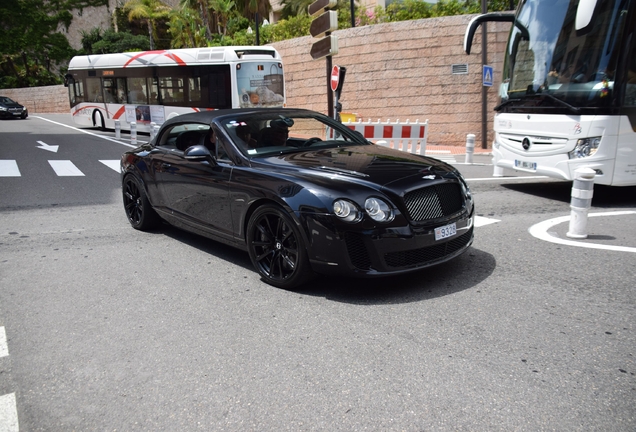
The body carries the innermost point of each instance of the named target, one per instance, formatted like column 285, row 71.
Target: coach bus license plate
column 526, row 165
column 445, row 231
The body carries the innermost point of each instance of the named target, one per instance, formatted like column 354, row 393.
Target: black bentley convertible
column 300, row 192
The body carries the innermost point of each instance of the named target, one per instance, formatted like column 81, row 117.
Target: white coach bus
column 568, row 92
column 152, row 86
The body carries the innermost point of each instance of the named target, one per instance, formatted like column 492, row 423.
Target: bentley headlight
column 346, row 210
column 378, row 210
column 585, row 147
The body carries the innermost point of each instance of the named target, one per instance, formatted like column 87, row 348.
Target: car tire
column 277, row 248
column 138, row 209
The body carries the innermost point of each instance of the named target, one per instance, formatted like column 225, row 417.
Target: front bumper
column 385, row 251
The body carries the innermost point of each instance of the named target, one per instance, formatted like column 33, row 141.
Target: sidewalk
column 433, row 150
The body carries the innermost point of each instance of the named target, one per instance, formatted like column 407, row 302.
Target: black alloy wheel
column 140, row 213
column 277, row 249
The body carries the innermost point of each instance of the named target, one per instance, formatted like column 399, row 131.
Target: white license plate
column 445, row 231
column 526, row 165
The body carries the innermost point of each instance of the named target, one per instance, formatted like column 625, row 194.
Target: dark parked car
column 300, row 192
column 11, row 109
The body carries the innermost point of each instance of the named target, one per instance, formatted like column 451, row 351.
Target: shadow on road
column 604, row 196
column 465, row 272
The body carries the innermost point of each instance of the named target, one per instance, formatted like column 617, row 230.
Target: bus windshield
column 548, row 58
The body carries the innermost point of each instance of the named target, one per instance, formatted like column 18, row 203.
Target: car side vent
column 459, row 69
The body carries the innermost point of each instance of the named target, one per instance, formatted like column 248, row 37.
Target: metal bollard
column 470, row 148
column 133, row 133
column 153, row 131
column 582, row 192
column 117, row 129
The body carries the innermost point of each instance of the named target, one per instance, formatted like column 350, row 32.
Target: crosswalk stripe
column 9, row 168
column 65, row 168
column 8, row 413
column 112, row 164
column 4, row 348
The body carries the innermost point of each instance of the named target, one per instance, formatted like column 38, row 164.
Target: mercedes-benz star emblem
column 526, row 143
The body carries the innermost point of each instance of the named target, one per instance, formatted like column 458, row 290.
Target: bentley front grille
column 434, row 202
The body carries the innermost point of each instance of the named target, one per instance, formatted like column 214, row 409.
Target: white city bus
column 568, row 93
column 152, row 86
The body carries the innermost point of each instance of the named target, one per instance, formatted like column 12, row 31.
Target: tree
column 31, row 41
column 149, row 11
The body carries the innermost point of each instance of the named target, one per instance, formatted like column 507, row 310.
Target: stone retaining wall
column 395, row 71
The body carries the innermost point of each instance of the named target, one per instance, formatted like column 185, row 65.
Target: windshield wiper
column 507, row 102
column 572, row 108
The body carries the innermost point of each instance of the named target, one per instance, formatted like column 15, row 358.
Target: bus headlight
column 585, row 147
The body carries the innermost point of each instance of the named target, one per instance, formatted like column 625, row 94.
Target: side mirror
column 198, row 153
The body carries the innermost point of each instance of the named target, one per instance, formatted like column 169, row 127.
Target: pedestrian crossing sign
column 487, row 76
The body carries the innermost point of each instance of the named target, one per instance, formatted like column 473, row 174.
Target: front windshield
column 277, row 131
column 545, row 55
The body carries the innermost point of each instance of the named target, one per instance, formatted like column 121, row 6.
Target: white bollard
column 133, row 133
column 117, row 129
column 582, row 192
column 152, row 130
column 470, row 148
column 497, row 171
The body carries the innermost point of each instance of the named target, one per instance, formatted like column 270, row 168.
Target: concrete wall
column 394, row 71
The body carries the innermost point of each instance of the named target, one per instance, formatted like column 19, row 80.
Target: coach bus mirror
column 198, row 153
column 68, row 80
column 585, row 15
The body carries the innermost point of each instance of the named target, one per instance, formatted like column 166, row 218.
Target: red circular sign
column 335, row 77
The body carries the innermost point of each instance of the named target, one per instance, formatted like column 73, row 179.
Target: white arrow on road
column 45, row 146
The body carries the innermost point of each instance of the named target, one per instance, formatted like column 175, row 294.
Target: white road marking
column 114, row 164
column 8, row 414
column 87, row 132
column 9, row 168
column 540, row 231
column 481, row 221
column 4, row 348
column 45, row 146
column 65, row 168
column 507, row 178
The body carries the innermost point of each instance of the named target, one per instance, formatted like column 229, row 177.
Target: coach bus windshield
column 549, row 63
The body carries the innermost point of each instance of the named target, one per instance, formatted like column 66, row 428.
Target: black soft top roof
column 209, row 116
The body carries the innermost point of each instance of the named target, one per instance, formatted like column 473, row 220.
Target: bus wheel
column 98, row 120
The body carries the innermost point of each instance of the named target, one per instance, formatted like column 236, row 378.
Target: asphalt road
column 108, row 328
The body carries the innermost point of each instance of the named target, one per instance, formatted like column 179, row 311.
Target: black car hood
column 11, row 105
column 367, row 163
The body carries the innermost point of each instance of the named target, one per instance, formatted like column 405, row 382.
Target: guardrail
column 406, row 136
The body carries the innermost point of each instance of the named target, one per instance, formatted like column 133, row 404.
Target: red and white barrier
column 405, row 136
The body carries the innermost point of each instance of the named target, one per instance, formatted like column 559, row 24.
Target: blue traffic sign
column 487, row 76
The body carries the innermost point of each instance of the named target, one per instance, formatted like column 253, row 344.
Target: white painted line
column 65, row 168
column 8, row 413
column 540, row 231
column 4, row 348
column 481, row 221
column 87, row 132
column 9, row 168
column 507, row 178
column 45, row 146
column 112, row 164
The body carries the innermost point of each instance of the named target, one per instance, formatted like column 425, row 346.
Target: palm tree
column 186, row 28
column 223, row 9
column 149, row 11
